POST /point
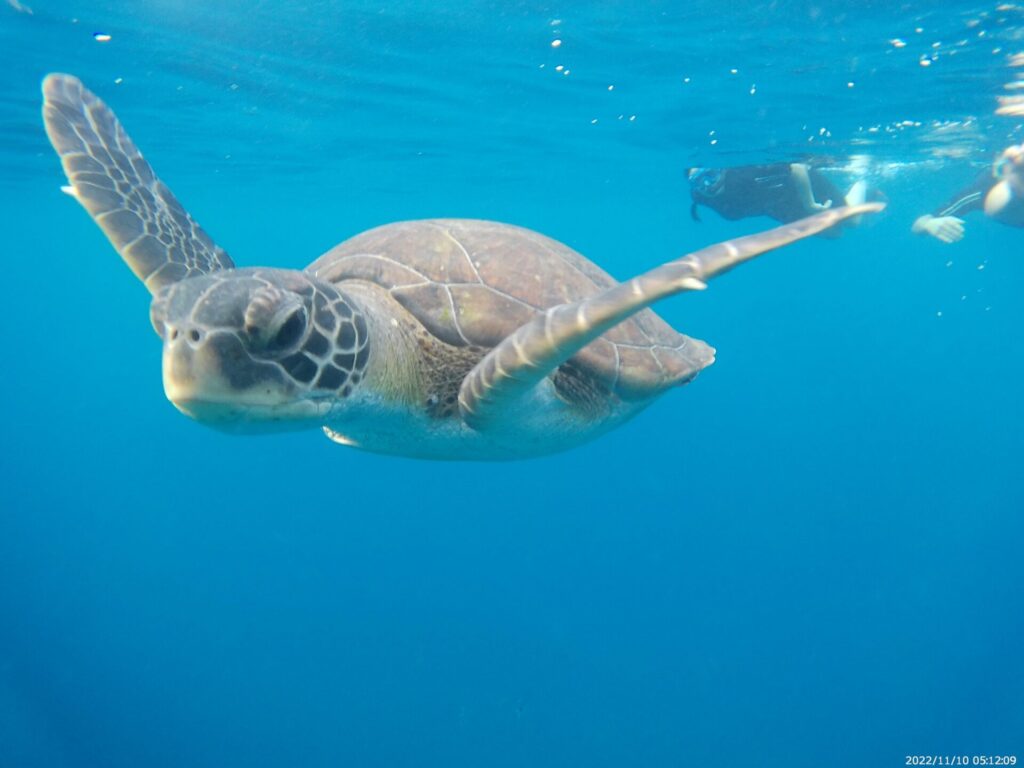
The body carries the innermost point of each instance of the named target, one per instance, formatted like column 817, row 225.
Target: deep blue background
column 810, row 556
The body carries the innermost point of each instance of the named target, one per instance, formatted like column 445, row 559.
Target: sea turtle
column 445, row 338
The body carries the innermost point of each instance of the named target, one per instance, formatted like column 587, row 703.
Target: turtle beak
column 211, row 378
column 193, row 374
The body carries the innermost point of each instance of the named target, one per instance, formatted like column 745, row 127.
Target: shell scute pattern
column 472, row 283
column 433, row 305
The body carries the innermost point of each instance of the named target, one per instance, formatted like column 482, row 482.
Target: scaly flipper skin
column 136, row 211
column 492, row 389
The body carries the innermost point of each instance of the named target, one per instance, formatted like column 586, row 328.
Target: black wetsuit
column 970, row 198
column 762, row 190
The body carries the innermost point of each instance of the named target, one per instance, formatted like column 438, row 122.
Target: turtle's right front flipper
column 136, row 211
column 492, row 389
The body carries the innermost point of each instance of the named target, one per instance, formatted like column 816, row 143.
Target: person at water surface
column 781, row 191
column 998, row 191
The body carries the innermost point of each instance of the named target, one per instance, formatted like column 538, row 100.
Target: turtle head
column 259, row 349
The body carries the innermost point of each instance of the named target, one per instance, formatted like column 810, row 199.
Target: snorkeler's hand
column 948, row 229
column 802, row 180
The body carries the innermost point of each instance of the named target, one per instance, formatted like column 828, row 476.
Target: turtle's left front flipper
column 523, row 359
column 136, row 211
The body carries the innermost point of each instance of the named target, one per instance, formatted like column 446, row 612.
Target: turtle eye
column 290, row 331
column 275, row 320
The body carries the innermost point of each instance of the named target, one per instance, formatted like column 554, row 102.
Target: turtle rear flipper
column 136, row 211
column 527, row 356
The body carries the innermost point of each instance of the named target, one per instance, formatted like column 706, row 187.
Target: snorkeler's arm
column 969, row 199
column 944, row 223
column 802, row 181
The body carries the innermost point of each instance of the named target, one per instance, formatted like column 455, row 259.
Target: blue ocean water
column 810, row 556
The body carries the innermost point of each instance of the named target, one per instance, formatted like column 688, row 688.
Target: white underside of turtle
column 545, row 425
column 439, row 339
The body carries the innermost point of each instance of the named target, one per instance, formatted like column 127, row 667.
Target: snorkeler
column 782, row 191
column 998, row 191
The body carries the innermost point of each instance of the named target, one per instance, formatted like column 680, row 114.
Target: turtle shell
column 472, row 283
